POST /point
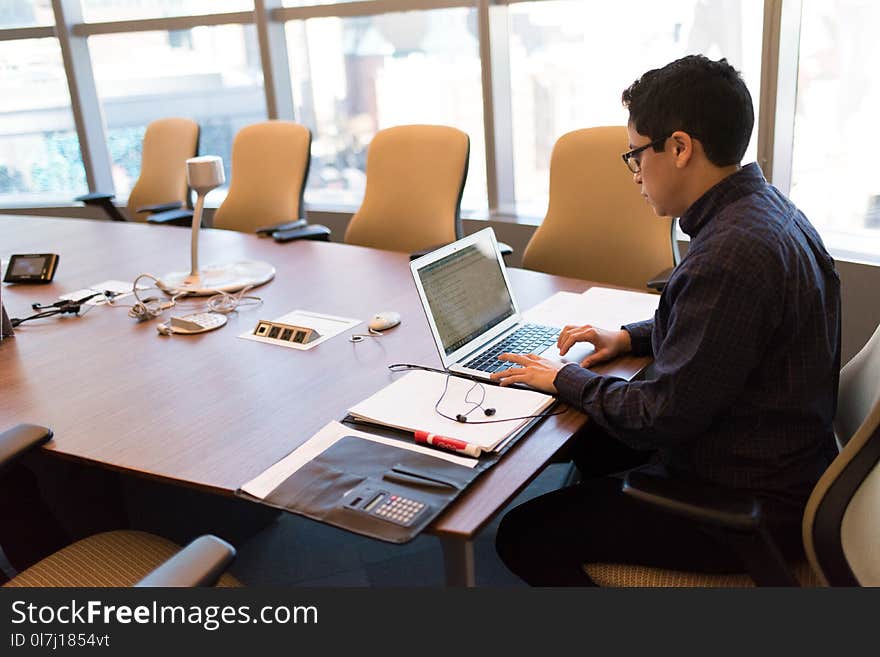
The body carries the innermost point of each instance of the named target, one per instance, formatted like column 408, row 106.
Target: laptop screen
column 467, row 294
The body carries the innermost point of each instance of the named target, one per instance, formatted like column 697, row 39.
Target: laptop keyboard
column 528, row 339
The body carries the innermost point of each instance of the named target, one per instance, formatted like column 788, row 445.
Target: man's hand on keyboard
column 534, row 371
column 608, row 344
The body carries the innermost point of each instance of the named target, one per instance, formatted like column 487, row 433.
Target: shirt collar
column 734, row 187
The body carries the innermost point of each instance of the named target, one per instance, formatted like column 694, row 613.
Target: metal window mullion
column 87, row 114
column 17, row 33
column 497, row 107
column 769, row 76
column 370, row 8
column 273, row 54
column 786, row 93
column 81, row 29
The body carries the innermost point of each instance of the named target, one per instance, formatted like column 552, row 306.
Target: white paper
column 409, row 403
column 269, row 480
column 122, row 289
column 599, row 306
column 327, row 326
column 116, row 286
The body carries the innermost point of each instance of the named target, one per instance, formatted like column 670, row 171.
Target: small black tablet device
column 31, row 268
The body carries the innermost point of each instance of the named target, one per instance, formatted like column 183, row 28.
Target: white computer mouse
column 384, row 320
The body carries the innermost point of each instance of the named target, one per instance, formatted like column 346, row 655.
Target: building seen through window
column 210, row 74
column 40, row 158
column 571, row 60
column 835, row 140
column 354, row 76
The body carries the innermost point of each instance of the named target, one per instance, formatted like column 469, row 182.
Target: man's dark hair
column 706, row 99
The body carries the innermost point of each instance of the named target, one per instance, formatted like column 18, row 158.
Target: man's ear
column 682, row 148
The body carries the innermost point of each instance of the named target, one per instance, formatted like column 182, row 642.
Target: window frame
column 777, row 94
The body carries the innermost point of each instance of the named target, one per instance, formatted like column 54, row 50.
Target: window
column 210, row 74
column 354, row 76
column 26, row 13
column 118, row 10
column 836, row 143
column 571, row 60
column 40, row 157
column 313, row 3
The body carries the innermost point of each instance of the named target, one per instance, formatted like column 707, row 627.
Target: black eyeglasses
column 631, row 158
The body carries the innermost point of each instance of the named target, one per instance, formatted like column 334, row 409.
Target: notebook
column 473, row 315
column 419, row 400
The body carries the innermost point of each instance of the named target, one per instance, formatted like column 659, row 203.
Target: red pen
column 447, row 443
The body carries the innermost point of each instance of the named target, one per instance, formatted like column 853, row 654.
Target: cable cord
column 151, row 307
column 225, row 303
column 222, row 302
column 462, row 417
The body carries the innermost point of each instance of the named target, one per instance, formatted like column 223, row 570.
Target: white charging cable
column 222, row 302
column 225, row 303
column 151, row 307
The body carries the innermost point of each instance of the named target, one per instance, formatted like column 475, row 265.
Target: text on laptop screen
column 467, row 294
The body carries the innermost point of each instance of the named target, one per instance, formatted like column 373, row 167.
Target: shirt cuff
column 640, row 337
column 570, row 382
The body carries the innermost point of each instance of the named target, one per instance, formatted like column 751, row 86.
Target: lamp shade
column 204, row 173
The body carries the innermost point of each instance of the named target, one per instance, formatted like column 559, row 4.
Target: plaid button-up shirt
column 746, row 347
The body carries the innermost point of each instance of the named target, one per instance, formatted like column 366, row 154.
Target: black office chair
column 659, row 281
column 841, row 525
column 160, row 193
column 117, row 558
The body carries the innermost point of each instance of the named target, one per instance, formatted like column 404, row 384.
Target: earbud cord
column 478, row 405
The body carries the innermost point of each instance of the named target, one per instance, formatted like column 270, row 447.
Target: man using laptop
column 746, row 348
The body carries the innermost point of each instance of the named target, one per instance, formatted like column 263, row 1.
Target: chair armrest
column 19, row 439
column 265, row 231
column 505, row 249
column 95, row 198
column 160, row 207
column 421, row 252
column 201, row 563
column 104, row 201
column 738, row 512
column 706, row 504
column 659, row 281
column 182, row 217
column 309, row 232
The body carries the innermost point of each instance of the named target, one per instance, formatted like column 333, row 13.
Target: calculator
column 382, row 504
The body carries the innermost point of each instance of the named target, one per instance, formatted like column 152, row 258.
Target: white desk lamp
column 203, row 174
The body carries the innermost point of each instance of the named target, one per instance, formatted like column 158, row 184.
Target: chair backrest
column 415, row 179
column 842, row 520
column 168, row 144
column 598, row 227
column 270, row 165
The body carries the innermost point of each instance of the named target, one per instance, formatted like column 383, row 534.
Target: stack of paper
column 599, row 306
column 409, row 404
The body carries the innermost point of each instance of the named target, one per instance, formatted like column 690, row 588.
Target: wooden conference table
column 212, row 411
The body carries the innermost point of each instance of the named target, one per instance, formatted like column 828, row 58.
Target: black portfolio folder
column 377, row 490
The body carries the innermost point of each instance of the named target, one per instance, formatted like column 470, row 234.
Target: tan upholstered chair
column 415, row 179
column 118, row 558
column 270, row 165
column 841, row 526
column 161, row 189
column 598, row 227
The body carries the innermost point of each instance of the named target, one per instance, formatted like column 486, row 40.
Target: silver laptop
column 472, row 312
